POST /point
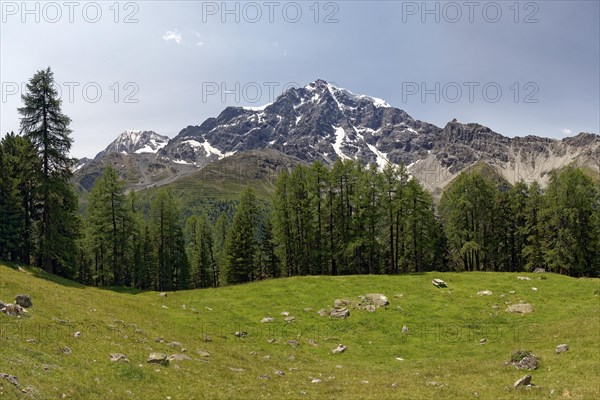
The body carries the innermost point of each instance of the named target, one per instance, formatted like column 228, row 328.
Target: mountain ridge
column 323, row 122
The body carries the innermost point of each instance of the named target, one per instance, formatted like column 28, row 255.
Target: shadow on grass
column 41, row 274
column 38, row 273
column 122, row 290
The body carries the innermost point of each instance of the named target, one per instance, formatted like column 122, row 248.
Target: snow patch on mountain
column 259, row 108
column 340, row 136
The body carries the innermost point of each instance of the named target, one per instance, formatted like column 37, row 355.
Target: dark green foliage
column 43, row 123
column 205, row 271
column 353, row 220
column 172, row 270
column 570, row 223
column 241, row 244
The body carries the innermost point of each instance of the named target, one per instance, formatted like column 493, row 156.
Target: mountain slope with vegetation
column 439, row 354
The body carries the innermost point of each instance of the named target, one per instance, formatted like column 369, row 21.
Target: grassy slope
column 442, row 346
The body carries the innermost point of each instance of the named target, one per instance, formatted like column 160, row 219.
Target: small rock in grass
column 523, row 278
column 203, row 353
column 534, row 289
column 376, row 299
column 23, row 300
column 67, row 350
column 339, row 303
column 267, row 320
column 13, row 310
column 279, row 372
column 322, row 312
column 524, row 381
column 293, row 342
column 289, row 319
column 340, row 313
column 178, row 357
column 439, row 283
column 315, row 380
column 405, row 329
column 561, row 348
column 163, row 294
column 264, row 376
column 485, row 293
column 339, row 349
column 158, row 358
column 241, row 334
column 77, row 334
column 521, row 308
column 285, row 314
column 119, row 357
column 11, row 378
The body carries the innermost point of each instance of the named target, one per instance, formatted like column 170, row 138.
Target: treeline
column 347, row 219
column 353, row 219
column 120, row 246
column 356, row 220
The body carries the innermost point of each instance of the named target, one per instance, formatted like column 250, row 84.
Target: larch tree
column 44, row 124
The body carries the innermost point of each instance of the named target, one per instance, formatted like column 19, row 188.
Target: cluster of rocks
column 341, row 307
column 372, row 301
column 18, row 308
column 523, row 359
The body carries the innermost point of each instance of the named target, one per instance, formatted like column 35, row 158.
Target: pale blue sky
column 178, row 54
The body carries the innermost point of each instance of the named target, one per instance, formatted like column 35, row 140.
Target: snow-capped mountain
column 317, row 122
column 323, row 122
column 135, row 142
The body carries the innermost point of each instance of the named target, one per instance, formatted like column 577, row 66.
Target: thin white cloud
column 172, row 35
column 566, row 131
column 199, row 43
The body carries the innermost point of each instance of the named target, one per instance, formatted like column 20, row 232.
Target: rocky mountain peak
column 133, row 141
